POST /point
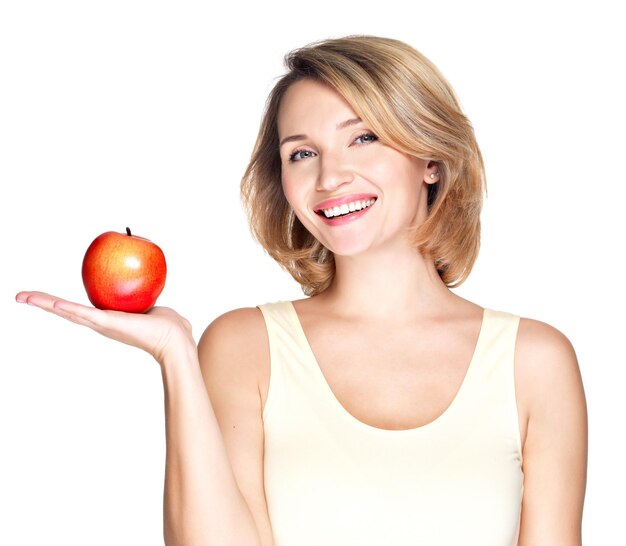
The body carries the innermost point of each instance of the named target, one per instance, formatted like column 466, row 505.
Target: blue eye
column 366, row 138
column 300, row 154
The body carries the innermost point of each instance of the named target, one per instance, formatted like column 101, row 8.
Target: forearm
column 202, row 502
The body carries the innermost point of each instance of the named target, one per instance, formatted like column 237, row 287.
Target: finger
column 75, row 312
column 38, row 299
column 21, row 297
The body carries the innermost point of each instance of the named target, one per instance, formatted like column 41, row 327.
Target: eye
column 366, row 138
column 298, row 155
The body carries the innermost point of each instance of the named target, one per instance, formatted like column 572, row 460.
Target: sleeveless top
column 331, row 479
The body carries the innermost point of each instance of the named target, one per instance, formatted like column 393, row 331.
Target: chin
column 355, row 248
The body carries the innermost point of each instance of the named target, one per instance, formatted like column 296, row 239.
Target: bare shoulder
column 546, row 367
column 234, row 358
column 545, row 358
column 540, row 336
column 237, row 337
column 246, row 321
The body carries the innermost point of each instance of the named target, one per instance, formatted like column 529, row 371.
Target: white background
column 144, row 114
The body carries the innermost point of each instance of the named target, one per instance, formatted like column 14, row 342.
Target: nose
column 333, row 173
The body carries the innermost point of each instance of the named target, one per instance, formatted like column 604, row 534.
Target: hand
column 161, row 332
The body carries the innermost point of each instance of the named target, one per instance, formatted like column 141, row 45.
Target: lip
column 343, row 200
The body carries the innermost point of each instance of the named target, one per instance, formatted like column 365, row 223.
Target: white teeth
column 348, row 207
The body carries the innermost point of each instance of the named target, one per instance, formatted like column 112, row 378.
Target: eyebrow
column 341, row 125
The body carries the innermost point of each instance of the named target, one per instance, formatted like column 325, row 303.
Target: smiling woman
column 366, row 184
column 407, row 104
column 383, row 408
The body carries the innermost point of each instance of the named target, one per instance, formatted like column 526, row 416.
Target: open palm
column 159, row 332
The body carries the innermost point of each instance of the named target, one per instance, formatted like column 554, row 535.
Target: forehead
column 310, row 103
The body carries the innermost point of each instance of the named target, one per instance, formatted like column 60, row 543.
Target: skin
column 370, row 301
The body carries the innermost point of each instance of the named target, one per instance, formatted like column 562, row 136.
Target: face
column 349, row 190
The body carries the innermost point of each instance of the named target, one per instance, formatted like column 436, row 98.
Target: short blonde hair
column 409, row 105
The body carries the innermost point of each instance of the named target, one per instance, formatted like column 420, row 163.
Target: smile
column 347, row 208
column 343, row 209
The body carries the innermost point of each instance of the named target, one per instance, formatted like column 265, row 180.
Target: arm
column 555, row 449
column 234, row 356
column 202, row 503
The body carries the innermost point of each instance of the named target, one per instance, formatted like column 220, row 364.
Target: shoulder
column 232, row 326
column 236, row 323
column 544, row 352
column 547, row 374
column 235, row 339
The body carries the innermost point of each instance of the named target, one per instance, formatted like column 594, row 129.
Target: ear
column 431, row 174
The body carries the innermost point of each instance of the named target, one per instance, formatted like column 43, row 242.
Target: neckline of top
column 304, row 342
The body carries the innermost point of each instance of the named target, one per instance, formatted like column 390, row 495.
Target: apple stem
column 128, row 231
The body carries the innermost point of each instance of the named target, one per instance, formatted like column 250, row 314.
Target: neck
column 390, row 283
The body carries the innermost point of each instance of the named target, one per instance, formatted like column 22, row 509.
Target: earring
column 432, row 175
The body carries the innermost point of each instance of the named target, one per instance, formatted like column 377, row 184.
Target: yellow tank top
column 331, row 479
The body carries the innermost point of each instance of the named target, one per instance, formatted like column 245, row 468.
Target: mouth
column 346, row 209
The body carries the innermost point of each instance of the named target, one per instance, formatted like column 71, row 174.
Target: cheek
column 288, row 190
column 295, row 194
column 393, row 166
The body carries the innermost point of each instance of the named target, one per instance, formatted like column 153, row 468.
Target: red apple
column 123, row 272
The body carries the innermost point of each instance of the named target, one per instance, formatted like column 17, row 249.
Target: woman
column 383, row 408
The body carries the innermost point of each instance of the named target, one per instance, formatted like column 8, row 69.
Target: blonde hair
column 409, row 105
